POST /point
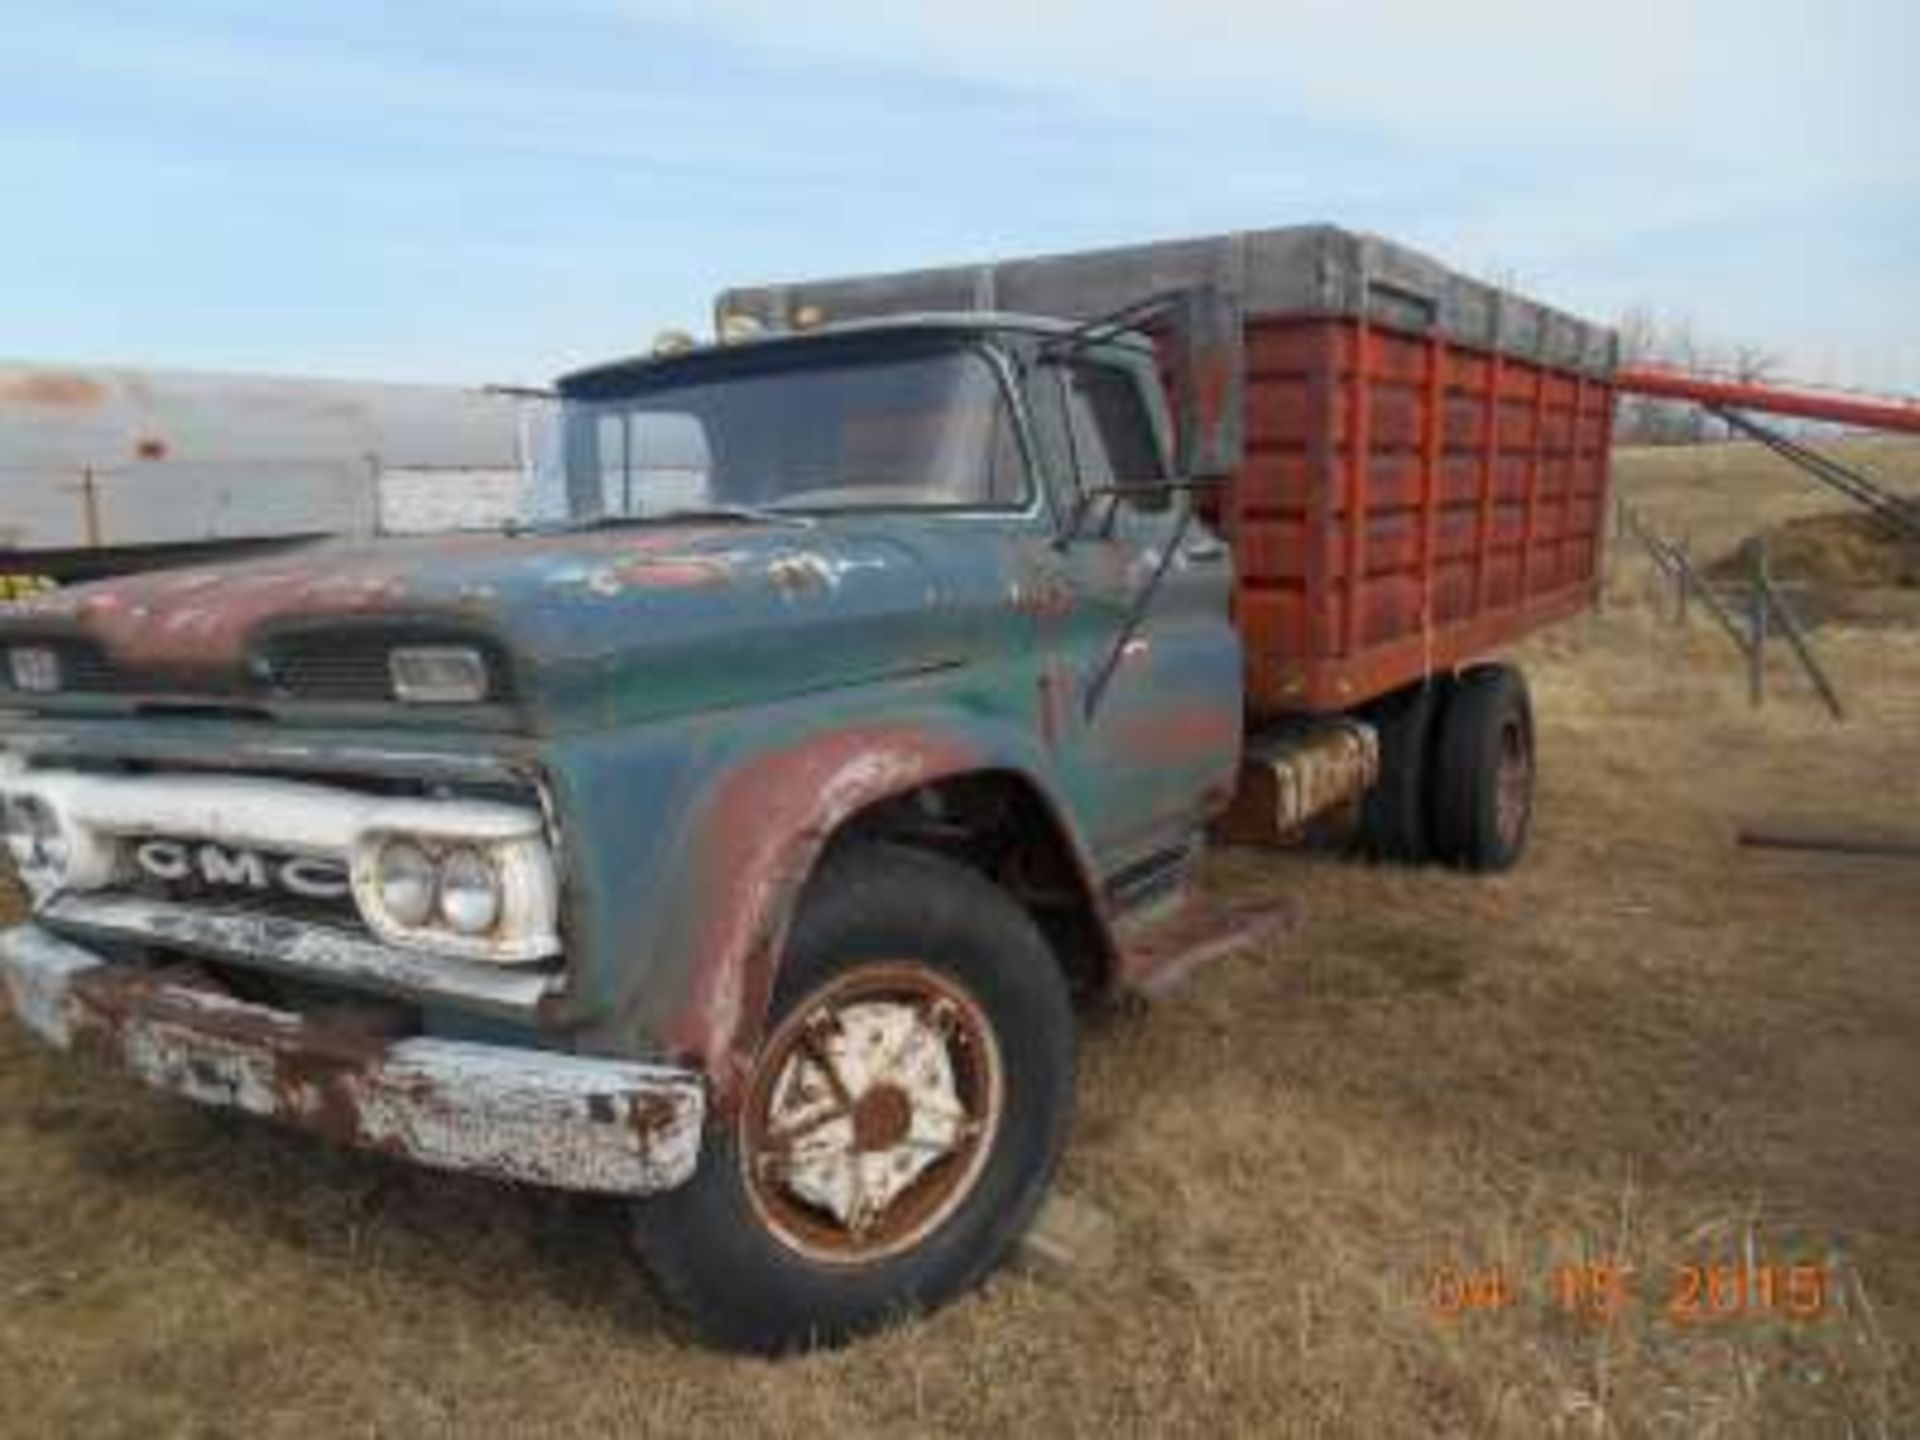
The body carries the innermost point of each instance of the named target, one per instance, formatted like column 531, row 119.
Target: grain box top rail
column 1295, row 271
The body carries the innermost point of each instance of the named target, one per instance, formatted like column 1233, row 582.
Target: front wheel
column 903, row 1118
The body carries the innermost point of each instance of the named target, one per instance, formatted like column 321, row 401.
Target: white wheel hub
column 865, row 1105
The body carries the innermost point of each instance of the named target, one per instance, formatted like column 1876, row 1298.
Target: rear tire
column 1393, row 814
column 850, row 1190
column 1482, row 800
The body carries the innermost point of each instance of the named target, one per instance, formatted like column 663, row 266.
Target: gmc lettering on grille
column 304, row 875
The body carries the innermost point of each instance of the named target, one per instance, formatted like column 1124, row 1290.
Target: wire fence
column 1751, row 612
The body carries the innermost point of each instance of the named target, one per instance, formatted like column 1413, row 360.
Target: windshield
column 922, row 431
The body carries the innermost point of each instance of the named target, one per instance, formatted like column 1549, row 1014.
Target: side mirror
column 1209, row 379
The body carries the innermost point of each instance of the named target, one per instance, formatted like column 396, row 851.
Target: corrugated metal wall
column 105, row 458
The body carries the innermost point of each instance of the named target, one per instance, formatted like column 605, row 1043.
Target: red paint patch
column 672, row 572
column 201, row 618
column 1179, row 735
column 763, row 828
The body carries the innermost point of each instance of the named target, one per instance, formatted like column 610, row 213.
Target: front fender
column 686, row 876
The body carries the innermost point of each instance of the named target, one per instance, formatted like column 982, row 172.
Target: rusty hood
column 598, row 626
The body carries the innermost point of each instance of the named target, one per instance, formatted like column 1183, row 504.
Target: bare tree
column 1647, row 337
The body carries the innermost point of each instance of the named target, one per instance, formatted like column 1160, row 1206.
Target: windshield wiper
column 750, row 514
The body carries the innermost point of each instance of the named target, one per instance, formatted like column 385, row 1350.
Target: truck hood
column 600, row 627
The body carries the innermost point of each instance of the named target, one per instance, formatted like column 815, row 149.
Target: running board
column 1160, row 948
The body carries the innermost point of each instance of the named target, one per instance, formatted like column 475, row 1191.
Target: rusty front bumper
column 573, row 1122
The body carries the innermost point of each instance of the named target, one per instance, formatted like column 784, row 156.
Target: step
column 1159, row 950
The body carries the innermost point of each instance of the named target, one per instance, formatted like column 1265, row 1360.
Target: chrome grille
column 267, row 897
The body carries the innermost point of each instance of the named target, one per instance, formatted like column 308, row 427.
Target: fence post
column 1790, row 629
column 1761, row 602
column 1612, row 569
column 1683, row 549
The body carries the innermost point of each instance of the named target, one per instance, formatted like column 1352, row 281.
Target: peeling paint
column 508, row 1113
column 763, row 829
column 316, row 952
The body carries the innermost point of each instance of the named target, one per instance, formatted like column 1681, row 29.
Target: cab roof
column 717, row 358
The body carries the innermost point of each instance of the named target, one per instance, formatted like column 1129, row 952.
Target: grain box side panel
column 1406, row 504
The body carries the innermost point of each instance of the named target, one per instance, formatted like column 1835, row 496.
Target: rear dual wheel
column 1481, row 803
column 902, row 1121
column 1394, row 822
column 1456, row 771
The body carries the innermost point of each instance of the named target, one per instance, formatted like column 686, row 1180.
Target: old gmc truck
column 741, row 836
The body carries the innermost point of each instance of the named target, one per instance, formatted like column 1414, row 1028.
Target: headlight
column 469, row 892
column 465, row 895
column 407, row 879
column 438, row 674
column 34, row 837
column 34, row 667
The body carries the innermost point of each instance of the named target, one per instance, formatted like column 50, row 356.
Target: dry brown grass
column 1647, row 1046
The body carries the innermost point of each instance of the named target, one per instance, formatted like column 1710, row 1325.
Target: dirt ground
column 1343, row 1175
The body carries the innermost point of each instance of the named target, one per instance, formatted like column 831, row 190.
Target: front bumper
column 572, row 1122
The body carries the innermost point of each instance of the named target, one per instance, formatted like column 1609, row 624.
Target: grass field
column 1647, row 1048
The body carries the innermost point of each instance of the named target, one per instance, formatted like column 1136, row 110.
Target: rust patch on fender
column 764, row 827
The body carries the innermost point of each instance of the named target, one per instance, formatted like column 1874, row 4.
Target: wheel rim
column 871, row 1113
column 1513, row 785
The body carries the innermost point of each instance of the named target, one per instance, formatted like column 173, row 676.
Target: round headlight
column 407, row 879
column 469, row 892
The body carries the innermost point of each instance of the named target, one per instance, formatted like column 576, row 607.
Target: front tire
column 905, row 1113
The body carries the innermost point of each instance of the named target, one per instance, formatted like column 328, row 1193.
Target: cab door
column 1148, row 728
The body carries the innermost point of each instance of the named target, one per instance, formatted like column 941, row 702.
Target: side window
column 672, row 467
column 1111, row 432
column 651, row 462
column 1006, row 465
column 1047, row 408
column 1108, row 432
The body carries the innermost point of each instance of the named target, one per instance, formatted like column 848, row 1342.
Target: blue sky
column 497, row 190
